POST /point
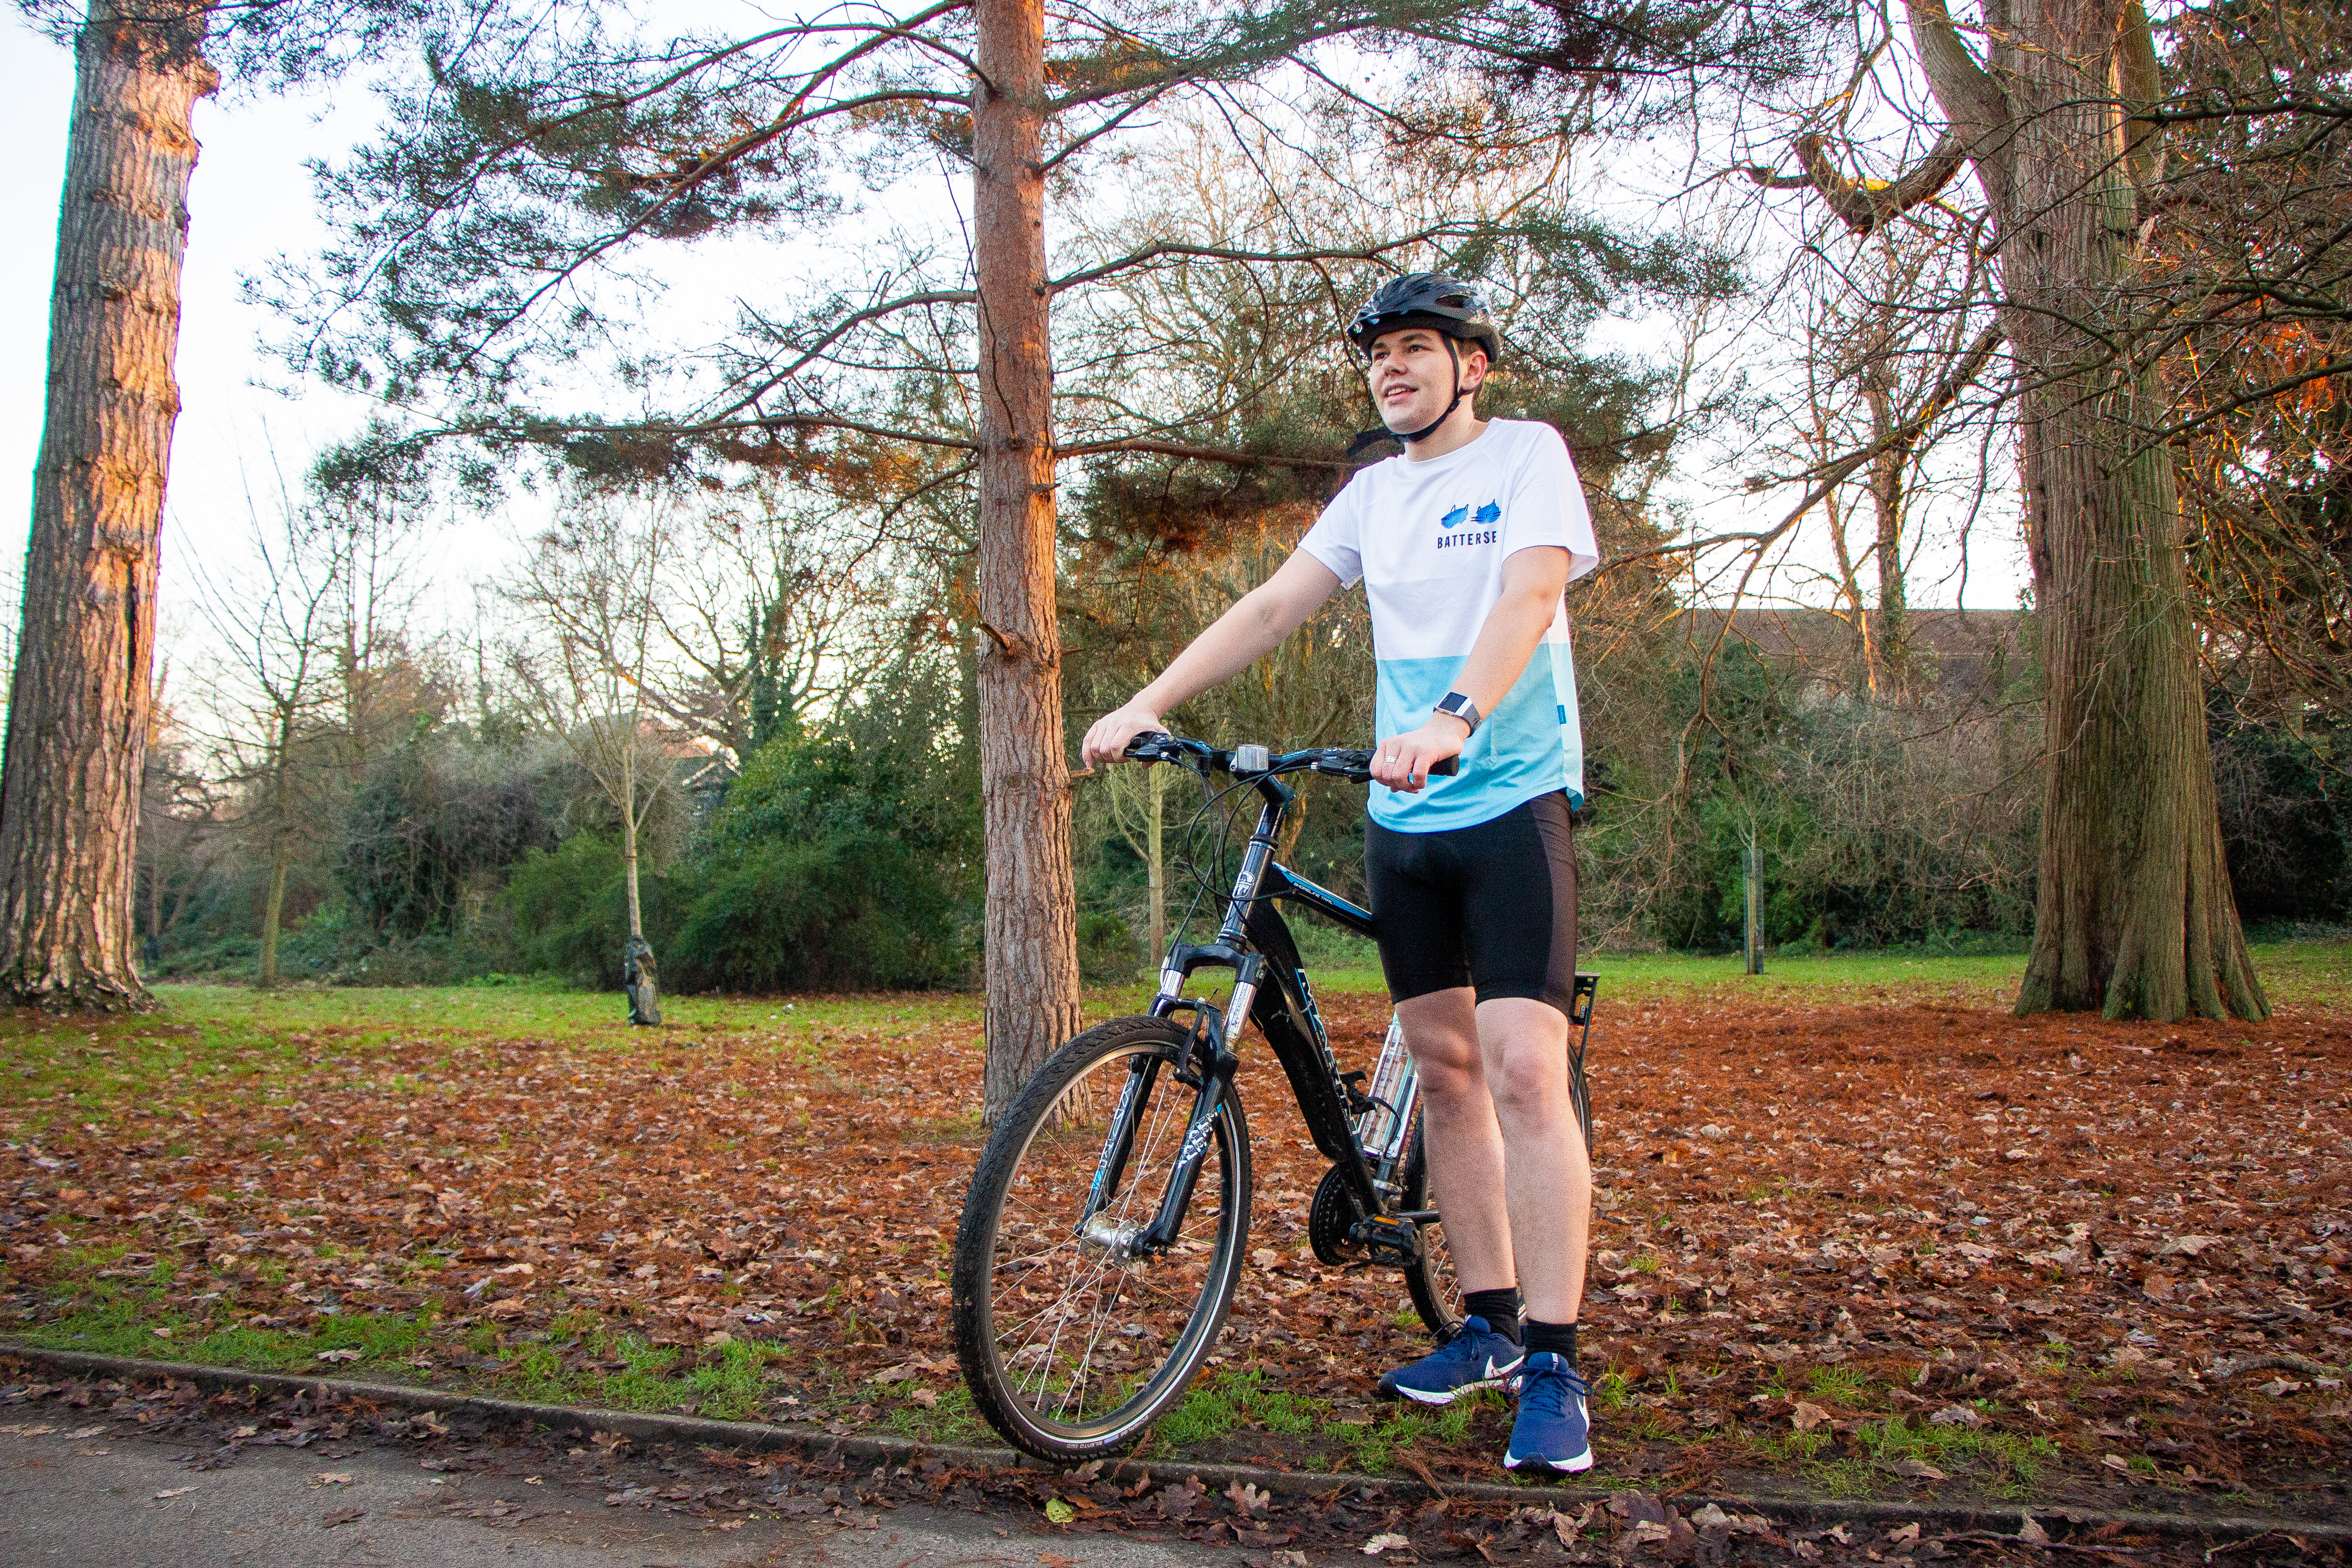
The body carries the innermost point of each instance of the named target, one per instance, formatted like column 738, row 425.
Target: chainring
column 1329, row 1218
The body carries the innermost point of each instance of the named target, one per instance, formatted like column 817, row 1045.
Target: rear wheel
column 1435, row 1288
column 1071, row 1345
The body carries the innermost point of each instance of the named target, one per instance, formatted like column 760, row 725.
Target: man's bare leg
column 1506, row 1156
column 1507, row 1169
column 1460, row 1136
column 1548, row 1177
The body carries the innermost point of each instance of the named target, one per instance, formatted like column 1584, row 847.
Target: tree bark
column 273, row 912
column 637, row 968
column 1890, row 649
column 1155, row 863
column 1031, row 960
column 2134, row 915
column 80, row 702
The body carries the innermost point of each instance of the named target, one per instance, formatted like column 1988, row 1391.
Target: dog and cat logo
column 1484, row 533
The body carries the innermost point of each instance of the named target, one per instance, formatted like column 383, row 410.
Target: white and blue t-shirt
column 1429, row 540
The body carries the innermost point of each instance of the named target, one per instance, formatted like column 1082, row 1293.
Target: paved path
column 86, row 1495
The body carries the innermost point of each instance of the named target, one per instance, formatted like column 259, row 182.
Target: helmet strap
column 1454, row 353
column 1373, row 437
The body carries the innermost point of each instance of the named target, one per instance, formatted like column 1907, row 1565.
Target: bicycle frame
column 1270, row 988
column 1270, row 985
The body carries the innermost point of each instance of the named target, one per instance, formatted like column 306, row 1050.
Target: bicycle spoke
column 1085, row 1332
column 1059, row 1344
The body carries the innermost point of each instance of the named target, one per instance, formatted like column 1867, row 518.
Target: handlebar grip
column 1445, row 769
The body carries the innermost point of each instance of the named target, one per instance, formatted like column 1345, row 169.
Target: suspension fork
column 1207, row 1054
column 1199, row 1131
column 1118, row 1142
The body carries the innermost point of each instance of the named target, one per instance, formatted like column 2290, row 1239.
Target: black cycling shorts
column 1492, row 905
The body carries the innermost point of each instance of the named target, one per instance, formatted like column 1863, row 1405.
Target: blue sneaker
column 1475, row 1357
column 1552, row 1431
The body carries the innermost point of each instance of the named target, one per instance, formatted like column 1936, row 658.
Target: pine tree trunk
column 80, row 702
column 1031, row 960
column 2134, row 916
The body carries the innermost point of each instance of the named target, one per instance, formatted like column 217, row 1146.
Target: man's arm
column 1251, row 629
column 1533, row 580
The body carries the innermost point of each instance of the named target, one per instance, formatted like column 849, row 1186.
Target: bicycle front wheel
column 1072, row 1345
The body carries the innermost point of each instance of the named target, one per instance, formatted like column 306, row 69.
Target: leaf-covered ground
column 1912, row 1247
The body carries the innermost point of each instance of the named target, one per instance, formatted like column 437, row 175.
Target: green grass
column 951, row 1420
column 2005, row 1463
column 126, row 1322
column 1219, row 1406
column 1815, row 977
column 544, row 1012
column 2306, row 975
column 1842, row 1384
column 1374, row 1449
column 151, row 1317
column 2303, row 975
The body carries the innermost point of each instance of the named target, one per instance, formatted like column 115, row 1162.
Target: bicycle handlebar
column 1339, row 762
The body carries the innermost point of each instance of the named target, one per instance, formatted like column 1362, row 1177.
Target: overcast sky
column 251, row 201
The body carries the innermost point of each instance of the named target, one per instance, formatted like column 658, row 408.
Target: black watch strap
column 1462, row 708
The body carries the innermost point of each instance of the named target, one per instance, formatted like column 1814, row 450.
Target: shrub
column 433, row 821
column 1108, row 949
column 844, row 859
column 2287, row 823
column 572, row 904
column 854, row 910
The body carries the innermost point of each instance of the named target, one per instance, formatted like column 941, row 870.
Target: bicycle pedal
column 1396, row 1242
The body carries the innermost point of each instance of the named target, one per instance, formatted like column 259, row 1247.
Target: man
column 1464, row 543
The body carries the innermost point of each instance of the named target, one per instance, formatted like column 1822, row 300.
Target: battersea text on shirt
column 1429, row 541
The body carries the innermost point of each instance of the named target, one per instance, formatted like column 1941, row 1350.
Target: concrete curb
column 757, row 1437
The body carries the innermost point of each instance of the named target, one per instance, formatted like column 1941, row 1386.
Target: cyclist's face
column 1412, row 375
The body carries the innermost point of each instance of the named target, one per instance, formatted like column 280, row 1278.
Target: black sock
column 1499, row 1307
column 1558, row 1338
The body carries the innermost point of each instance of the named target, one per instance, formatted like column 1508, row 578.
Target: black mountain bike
column 1107, row 1221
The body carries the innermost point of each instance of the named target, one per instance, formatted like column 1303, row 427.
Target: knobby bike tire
column 1069, row 1353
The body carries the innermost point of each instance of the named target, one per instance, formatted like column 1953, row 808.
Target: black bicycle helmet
column 1453, row 306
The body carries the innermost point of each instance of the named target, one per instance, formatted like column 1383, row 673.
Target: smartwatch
column 1461, row 707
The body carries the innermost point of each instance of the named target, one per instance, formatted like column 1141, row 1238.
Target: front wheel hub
column 1120, row 1241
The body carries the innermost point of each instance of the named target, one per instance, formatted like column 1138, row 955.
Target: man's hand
column 1403, row 761
column 1107, row 741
